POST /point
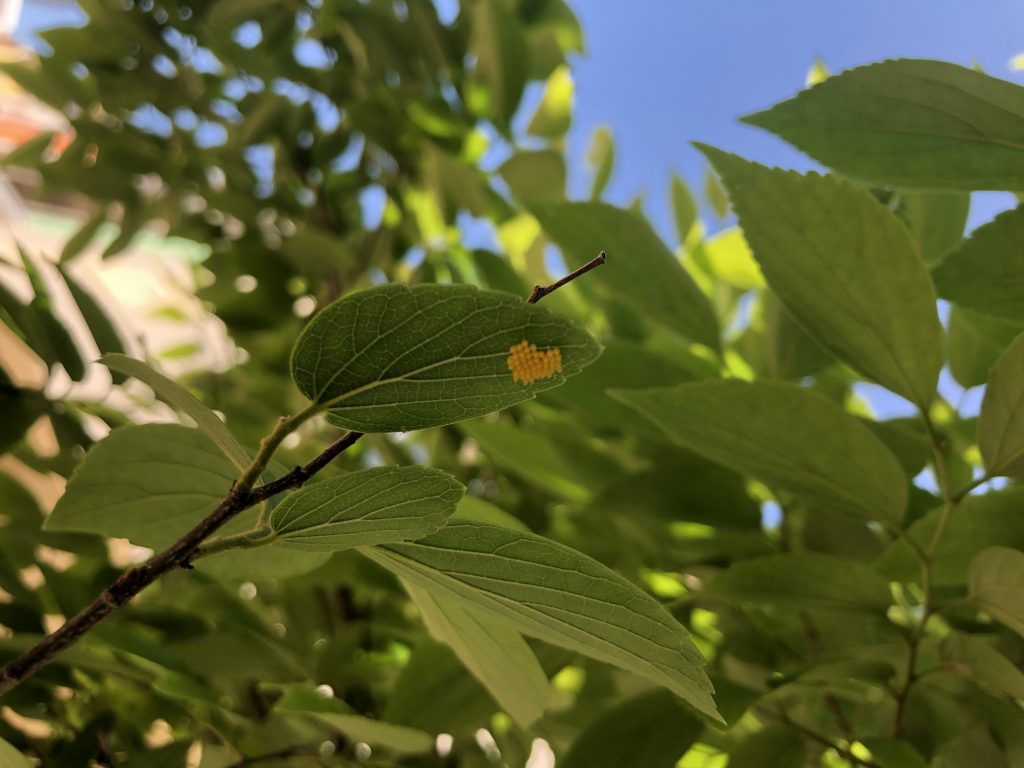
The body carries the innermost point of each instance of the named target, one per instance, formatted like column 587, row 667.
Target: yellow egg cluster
column 528, row 363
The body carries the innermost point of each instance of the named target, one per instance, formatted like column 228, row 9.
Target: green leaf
column 104, row 332
column 893, row 753
column 973, row 344
column 985, row 273
column 791, row 438
column 304, row 699
column 529, row 455
column 981, row 521
column 715, row 194
column 395, row 357
column 936, row 221
column 535, row 176
column 1001, row 423
column 480, row 511
column 803, row 579
column 995, row 583
column 81, row 239
column 910, row 123
column 374, row 506
column 845, row 267
column 147, row 483
column 729, row 258
column 178, row 397
column 641, row 270
column 975, row 658
column 496, row 654
column 601, row 157
column 549, row 591
column 684, row 208
column 500, row 48
column 553, row 117
column 652, row 730
column 775, row 745
column 12, row 758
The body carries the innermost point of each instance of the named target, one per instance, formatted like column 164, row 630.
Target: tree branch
column 242, row 496
column 178, row 555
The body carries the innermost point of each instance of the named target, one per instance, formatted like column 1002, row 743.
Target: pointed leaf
column 549, row 591
column 104, row 332
column 845, row 267
column 974, row 342
column 1001, row 424
column 791, row 438
column 601, row 157
column 147, row 483
column 496, row 654
column 995, row 583
column 684, row 208
column 178, row 397
column 396, row 357
column 987, row 271
column 641, row 270
column 374, row 506
column 910, row 123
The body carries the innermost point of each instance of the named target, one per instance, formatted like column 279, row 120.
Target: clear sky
column 662, row 73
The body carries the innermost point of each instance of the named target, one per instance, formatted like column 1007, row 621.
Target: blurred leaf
column 684, row 208
column 909, row 123
column 535, row 176
column 974, row 657
column 601, row 157
column 641, row 270
column 395, row 358
column 985, row 273
column 653, row 729
column 496, row 655
column 773, row 745
column 893, row 753
column 791, row 438
column 1001, row 424
column 304, row 699
column 12, row 758
column 374, row 506
column 148, row 483
column 104, row 332
column 549, row 591
column 803, row 579
column 179, row 398
column 554, row 113
column 79, row 241
column 974, row 342
column 936, row 221
column 995, row 583
column 731, row 261
column 500, row 49
column 716, row 195
column 845, row 268
column 980, row 521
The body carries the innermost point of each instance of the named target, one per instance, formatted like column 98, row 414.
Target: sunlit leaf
column 374, row 506
column 911, row 123
column 549, row 591
column 396, row 358
column 845, row 267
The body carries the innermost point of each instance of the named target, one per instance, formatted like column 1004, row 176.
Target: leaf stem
column 540, row 291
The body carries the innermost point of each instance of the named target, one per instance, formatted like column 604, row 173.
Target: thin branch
column 540, row 291
column 242, row 496
column 178, row 555
column 813, row 735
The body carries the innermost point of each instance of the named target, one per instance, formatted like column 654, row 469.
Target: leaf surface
column 396, row 357
column 791, row 438
column 549, row 591
column 910, row 123
column 373, row 506
column 845, row 267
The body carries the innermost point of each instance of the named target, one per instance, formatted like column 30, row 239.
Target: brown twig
column 540, row 291
column 178, row 555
